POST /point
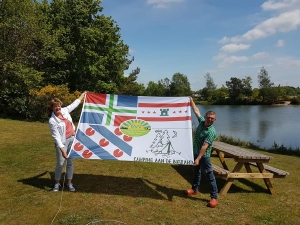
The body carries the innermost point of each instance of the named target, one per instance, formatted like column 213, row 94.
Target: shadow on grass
column 187, row 173
column 111, row 185
column 171, row 192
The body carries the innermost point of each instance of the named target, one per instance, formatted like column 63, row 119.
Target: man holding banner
column 202, row 146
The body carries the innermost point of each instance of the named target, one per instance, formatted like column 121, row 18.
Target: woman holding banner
column 63, row 131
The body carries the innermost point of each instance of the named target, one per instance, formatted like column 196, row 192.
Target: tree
column 93, row 57
column 63, row 42
column 208, row 91
column 220, row 95
column 255, row 94
column 210, row 84
column 22, row 44
column 239, row 88
column 264, row 80
column 276, row 93
column 130, row 86
column 265, row 86
column 204, row 93
column 290, row 91
column 166, row 83
column 180, row 85
column 154, row 89
column 235, row 88
column 247, row 89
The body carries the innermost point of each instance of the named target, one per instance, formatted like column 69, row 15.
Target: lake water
column 261, row 125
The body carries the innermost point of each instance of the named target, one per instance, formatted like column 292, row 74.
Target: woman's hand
column 64, row 154
column 82, row 95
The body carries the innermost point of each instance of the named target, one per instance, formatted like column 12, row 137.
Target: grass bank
column 276, row 148
column 109, row 192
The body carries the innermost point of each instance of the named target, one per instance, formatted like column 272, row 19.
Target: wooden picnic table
column 246, row 158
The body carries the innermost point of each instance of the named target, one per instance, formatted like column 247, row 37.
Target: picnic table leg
column 222, row 160
column 266, row 180
column 248, row 169
column 229, row 181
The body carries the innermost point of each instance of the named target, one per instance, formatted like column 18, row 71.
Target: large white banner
column 134, row 128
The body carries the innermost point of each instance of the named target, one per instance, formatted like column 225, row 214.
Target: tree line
column 61, row 47
column 240, row 91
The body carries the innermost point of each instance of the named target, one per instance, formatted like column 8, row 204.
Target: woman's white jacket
column 58, row 127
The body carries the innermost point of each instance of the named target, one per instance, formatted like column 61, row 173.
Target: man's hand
column 195, row 108
column 197, row 161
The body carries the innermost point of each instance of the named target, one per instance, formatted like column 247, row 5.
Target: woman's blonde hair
column 55, row 102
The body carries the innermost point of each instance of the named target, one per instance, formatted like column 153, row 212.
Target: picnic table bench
column 277, row 173
column 220, row 172
column 248, row 159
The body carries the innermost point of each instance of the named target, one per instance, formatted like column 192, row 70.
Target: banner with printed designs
column 134, row 128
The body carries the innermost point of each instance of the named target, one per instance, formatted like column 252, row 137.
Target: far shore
column 286, row 103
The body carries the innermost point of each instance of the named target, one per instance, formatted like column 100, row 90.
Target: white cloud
column 285, row 22
column 260, row 55
column 234, row 47
column 232, row 59
column 256, row 66
column 288, row 62
column 280, row 43
column 162, row 3
column 224, row 40
column 285, row 4
column 219, row 56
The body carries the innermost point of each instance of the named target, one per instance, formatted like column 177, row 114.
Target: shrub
column 39, row 102
column 295, row 101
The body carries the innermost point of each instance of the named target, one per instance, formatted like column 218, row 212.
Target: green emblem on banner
column 135, row 128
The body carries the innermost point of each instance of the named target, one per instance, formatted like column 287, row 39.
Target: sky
column 226, row 38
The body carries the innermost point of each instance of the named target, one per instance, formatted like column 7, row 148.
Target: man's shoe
column 213, row 203
column 190, row 191
column 70, row 187
column 56, row 187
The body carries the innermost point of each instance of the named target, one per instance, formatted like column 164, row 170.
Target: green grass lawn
column 129, row 192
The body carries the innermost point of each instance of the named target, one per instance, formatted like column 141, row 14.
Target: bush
column 39, row 108
column 295, row 101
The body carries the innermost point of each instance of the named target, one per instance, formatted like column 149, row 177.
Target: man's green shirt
column 202, row 135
